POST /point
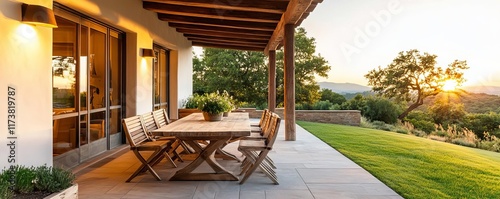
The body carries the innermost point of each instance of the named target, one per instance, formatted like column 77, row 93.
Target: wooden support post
column 271, row 96
column 289, row 76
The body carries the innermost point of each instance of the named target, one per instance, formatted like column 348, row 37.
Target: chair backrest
column 273, row 132
column 148, row 122
column 161, row 118
column 134, row 130
column 263, row 117
column 267, row 122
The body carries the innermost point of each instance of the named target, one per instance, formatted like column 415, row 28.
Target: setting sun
column 450, row 85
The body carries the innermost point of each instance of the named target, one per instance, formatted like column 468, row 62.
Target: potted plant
column 213, row 106
column 40, row 182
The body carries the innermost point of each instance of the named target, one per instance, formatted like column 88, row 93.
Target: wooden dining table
column 192, row 128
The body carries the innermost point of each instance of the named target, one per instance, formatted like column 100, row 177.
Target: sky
column 356, row 36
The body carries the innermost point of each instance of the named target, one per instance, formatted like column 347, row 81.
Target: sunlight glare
column 450, row 85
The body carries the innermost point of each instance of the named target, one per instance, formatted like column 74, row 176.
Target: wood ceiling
column 255, row 25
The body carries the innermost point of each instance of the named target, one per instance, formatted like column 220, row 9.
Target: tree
column 307, row 66
column 333, row 97
column 412, row 77
column 242, row 73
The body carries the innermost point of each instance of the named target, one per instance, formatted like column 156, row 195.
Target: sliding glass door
column 87, row 73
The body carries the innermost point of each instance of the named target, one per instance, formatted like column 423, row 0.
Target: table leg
column 206, row 154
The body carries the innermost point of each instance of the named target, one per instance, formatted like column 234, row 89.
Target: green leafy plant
column 53, row 179
column 24, row 179
column 5, row 191
column 44, row 180
column 213, row 103
column 192, row 101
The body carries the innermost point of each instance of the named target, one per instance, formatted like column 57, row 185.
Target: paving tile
column 336, row 176
column 351, row 190
column 289, row 194
column 252, row 194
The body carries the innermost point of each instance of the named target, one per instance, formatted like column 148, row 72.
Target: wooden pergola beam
column 247, row 5
column 236, row 15
column 218, row 23
column 294, row 12
column 202, row 33
column 227, row 46
column 266, row 33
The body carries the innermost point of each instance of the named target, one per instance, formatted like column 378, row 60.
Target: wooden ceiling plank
column 277, row 7
column 225, row 46
column 212, row 13
column 230, row 40
column 222, row 34
column 266, row 33
column 218, row 23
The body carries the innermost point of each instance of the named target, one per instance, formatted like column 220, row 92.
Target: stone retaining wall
column 345, row 117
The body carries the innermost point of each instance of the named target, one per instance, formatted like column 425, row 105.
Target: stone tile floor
column 307, row 168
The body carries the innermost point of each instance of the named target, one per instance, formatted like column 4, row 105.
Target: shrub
column 421, row 121
column 303, row 107
column 5, row 191
column 381, row 109
column 323, row 105
column 480, row 123
column 192, row 101
column 26, row 180
column 463, row 142
column 53, row 179
column 490, row 142
column 382, row 126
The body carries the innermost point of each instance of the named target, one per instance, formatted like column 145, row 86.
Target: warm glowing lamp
column 38, row 15
column 147, row 52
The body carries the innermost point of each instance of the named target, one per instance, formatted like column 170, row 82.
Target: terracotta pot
column 226, row 114
column 212, row 117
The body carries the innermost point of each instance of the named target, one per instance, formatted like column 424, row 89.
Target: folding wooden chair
column 256, row 152
column 139, row 141
column 150, row 124
column 161, row 119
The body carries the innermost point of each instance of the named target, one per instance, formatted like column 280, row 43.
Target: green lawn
column 416, row 167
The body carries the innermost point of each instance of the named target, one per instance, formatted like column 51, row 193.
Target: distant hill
column 491, row 90
column 344, row 88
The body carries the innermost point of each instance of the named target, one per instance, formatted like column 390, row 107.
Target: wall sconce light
column 38, row 15
column 147, row 52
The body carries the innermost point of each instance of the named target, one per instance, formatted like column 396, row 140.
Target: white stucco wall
column 25, row 63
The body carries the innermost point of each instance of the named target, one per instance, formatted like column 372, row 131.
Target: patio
column 307, row 168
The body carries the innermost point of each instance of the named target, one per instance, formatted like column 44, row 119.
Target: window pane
column 115, row 71
column 97, row 126
column 156, row 76
column 163, row 76
column 83, row 130
column 64, row 135
column 97, row 65
column 84, row 51
column 115, row 119
column 64, row 66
